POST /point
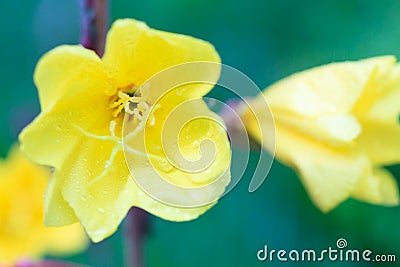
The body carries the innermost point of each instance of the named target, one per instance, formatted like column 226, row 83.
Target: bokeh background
column 267, row 40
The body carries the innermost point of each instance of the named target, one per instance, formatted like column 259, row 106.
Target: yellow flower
column 22, row 233
column 338, row 125
column 79, row 131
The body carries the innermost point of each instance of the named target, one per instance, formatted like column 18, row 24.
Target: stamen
column 115, row 104
column 124, row 97
column 135, row 99
column 142, row 123
column 112, row 127
column 129, row 110
column 124, row 101
column 118, row 111
column 142, row 107
column 137, row 114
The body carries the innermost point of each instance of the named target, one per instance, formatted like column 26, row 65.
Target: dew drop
column 99, row 233
column 166, row 167
column 180, row 91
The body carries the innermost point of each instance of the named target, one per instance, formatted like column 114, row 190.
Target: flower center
column 133, row 105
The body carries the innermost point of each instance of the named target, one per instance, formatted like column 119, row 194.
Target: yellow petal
column 381, row 142
column 97, row 187
column 73, row 237
column 120, row 51
column 56, row 135
column 53, row 138
column 336, row 130
column 165, row 211
column 76, row 98
column 380, row 138
column 330, row 89
column 66, row 68
column 134, row 52
column 22, row 233
column 330, row 175
column 378, row 187
column 86, row 148
column 48, row 140
column 384, row 79
column 57, row 211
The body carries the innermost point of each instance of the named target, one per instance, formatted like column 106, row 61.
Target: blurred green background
column 267, row 40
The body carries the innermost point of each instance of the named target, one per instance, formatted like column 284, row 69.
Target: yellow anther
column 115, row 104
column 123, row 102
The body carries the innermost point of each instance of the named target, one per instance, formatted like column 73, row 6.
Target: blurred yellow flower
column 338, row 125
column 22, row 232
column 78, row 132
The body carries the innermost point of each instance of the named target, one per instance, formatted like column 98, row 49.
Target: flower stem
column 137, row 227
column 94, row 24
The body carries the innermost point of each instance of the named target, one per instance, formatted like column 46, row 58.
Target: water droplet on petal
column 165, row 167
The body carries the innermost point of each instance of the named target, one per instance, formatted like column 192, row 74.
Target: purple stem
column 94, row 24
column 137, row 228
